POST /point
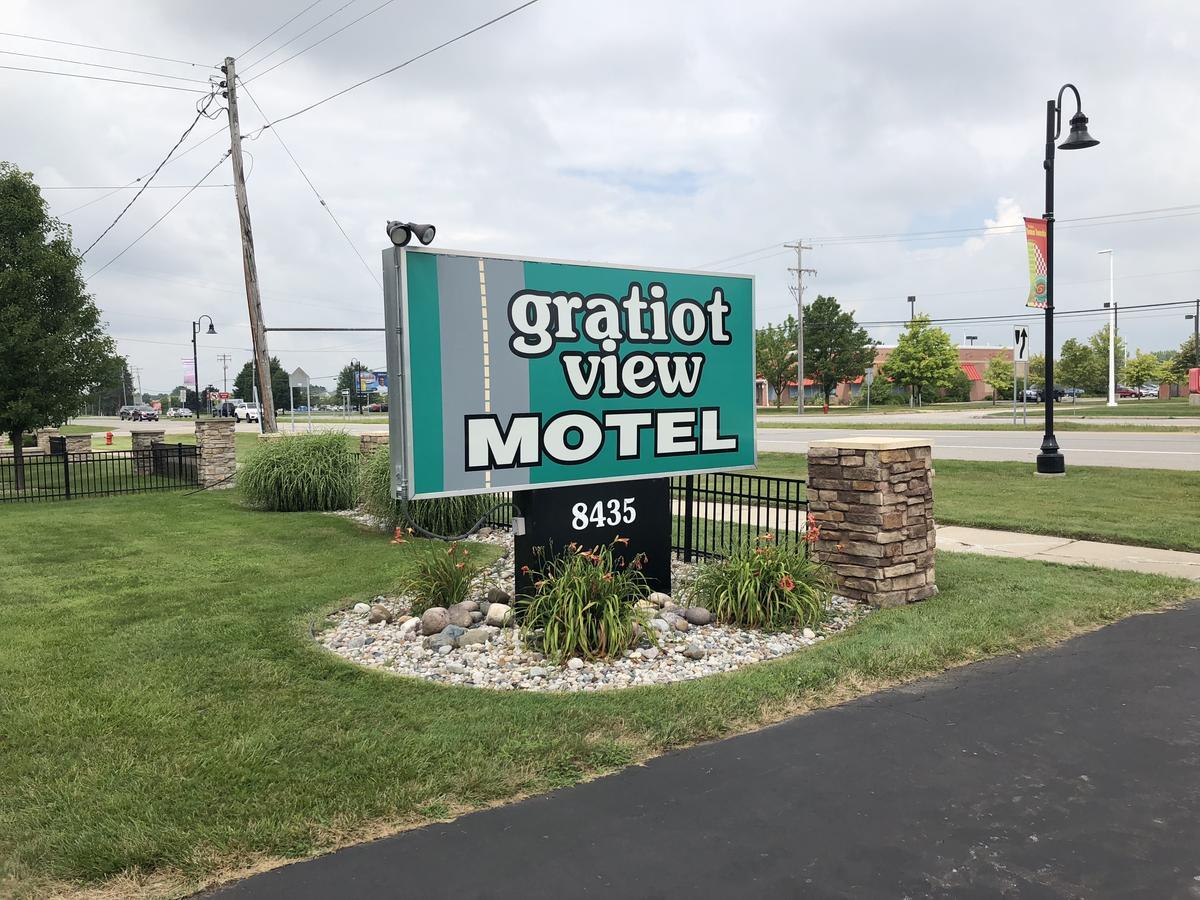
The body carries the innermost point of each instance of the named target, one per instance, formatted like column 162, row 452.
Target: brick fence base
column 873, row 501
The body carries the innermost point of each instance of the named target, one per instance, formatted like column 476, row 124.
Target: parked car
column 144, row 414
column 246, row 413
column 179, row 412
column 1126, row 392
column 377, row 407
column 126, row 412
column 1073, row 392
column 1148, row 391
column 228, row 408
column 1037, row 394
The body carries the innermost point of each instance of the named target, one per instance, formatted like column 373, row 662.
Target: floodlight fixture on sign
column 401, row 233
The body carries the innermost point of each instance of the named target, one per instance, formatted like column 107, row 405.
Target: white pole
column 1112, row 334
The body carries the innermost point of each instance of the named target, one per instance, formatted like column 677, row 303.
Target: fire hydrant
column 108, row 438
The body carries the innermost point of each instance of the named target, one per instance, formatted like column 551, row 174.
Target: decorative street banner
column 1035, row 241
column 524, row 373
column 189, row 371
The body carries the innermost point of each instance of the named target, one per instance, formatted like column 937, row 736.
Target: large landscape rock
column 434, row 619
column 697, row 615
column 499, row 614
column 459, row 615
column 379, row 613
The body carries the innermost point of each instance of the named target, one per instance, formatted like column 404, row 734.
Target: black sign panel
column 591, row 514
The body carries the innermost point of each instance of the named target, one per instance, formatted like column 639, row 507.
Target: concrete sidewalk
column 957, row 539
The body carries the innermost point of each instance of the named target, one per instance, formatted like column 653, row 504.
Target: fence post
column 66, row 458
column 688, row 488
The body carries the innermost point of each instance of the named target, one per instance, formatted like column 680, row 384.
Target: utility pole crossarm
column 258, row 333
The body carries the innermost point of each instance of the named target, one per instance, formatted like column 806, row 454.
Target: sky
column 674, row 134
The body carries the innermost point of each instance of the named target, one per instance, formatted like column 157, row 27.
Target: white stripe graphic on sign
column 487, row 374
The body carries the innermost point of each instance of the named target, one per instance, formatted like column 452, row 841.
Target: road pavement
column 1069, row 772
column 1136, row 450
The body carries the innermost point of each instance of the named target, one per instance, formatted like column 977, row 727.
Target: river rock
column 499, row 595
column 575, row 663
column 434, row 619
column 659, row 599
column 695, row 651
column 697, row 615
column 379, row 613
column 459, row 615
column 679, row 623
column 498, row 614
column 362, row 608
column 474, row 636
column 809, row 634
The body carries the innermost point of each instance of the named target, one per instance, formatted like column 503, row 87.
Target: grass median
column 166, row 718
column 1144, row 507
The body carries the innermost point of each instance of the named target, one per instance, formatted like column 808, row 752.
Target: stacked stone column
column 143, row 443
column 218, row 455
column 78, row 443
column 43, row 439
column 873, row 502
column 370, row 441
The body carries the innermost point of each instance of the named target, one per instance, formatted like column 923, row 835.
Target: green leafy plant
column 584, row 603
column 437, row 575
column 439, row 515
column 302, row 472
column 760, row 584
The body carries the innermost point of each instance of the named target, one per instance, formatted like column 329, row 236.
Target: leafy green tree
column 1098, row 343
column 113, row 389
column 836, row 348
column 924, row 358
column 243, row 385
column 1142, row 369
column 347, row 382
column 53, row 349
column 999, row 376
column 1037, row 368
column 775, row 356
column 1186, row 357
column 1079, row 367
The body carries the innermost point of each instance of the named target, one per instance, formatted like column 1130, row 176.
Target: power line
column 165, row 87
column 280, row 28
column 1038, row 314
column 200, row 110
column 407, row 62
column 312, row 186
column 324, row 39
column 258, row 61
column 123, row 187
column 77, row 62
column 170, row 210
column 30, row 37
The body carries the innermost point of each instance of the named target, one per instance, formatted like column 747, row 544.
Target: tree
column 999, row 376
column 347, row 382
column 1142, row 369
column 836, row 348
column 924, row 358
column 1079, row 367
column 775, row 356
column 1098, row 343
column 53, row 347
column 243, row 385
column 1186, row 357
column 113, row 389
column 1037, row 368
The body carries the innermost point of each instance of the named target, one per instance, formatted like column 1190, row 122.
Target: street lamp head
column 1079, row 137
column 211, row 330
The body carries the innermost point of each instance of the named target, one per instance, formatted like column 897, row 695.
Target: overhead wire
column 79, row 62
column 296, row 37
column 323, row 40
column 30, row 37
column 156, row 222
column 200, row 111
column 280, row 28
column 312, row 187
column 407, row 62
column 165, row 87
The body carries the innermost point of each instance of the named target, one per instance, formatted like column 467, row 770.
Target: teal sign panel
column 523, row 373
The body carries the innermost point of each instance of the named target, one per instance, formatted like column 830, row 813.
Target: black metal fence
column 711, row 513
column 63, row 476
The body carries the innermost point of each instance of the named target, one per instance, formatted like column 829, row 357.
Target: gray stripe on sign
column 460, row 316
column 510, row 373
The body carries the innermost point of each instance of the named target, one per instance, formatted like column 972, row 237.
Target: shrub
column 440, row 515
column 760, row 584
column 585, row 604
column 438, row 575
column 302, row 472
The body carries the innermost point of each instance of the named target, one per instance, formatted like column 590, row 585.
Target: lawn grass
column 166, row 717
column 1144, row 507
column 1175, row 407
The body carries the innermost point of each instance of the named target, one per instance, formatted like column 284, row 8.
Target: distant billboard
column 523, row 373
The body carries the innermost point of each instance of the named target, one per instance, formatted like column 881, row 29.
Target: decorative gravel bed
column 473, row 644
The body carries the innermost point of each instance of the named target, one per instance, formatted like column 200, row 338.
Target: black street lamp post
column 195, row 365
column 1050, row 461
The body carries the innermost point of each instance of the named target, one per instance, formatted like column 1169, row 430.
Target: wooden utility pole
column 258, row 334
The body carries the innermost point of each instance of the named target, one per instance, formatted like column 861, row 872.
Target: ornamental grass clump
column 301, row 473
column 438, row 515
column 437, row 575
column 761, row 584
column 584, row 603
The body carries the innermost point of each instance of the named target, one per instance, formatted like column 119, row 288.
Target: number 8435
column 601, row 513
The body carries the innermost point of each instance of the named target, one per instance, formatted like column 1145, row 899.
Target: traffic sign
column 1020, row 340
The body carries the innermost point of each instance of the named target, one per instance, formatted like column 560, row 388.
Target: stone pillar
column 873, row 501
column 79, row 443
column 370, row 441
column 218, row 455
column 143, row 442
column 43, row 439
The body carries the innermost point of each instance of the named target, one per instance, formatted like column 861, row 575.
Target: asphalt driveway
column 1071, row 772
